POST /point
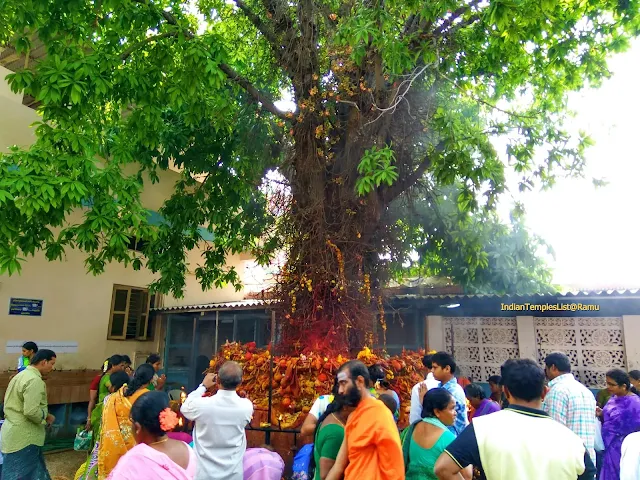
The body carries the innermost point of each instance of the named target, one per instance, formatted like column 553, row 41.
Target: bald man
column 219, row 437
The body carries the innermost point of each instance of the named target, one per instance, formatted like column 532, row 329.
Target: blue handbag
column 301, row 463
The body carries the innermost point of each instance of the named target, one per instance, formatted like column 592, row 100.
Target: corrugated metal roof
column 241, row 304
column 255, row 303
column 634, row 293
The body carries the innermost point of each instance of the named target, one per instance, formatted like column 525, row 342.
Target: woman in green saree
column 427, row 438
column 328, row 438
column 114, row 364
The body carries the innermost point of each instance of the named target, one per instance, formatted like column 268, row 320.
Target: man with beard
column 371, row 448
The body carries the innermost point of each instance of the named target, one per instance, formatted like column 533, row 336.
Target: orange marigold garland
column 299, row 379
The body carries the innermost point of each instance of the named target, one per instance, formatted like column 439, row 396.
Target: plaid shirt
column 572, row 404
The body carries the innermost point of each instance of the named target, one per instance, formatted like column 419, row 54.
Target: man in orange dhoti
column 371, row 448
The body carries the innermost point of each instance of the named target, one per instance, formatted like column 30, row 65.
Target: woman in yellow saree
column 116, row 436
column 89, row 469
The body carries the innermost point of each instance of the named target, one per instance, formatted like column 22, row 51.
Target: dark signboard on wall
column 25, row 306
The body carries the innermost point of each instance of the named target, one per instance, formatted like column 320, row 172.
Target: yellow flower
column 365, row 353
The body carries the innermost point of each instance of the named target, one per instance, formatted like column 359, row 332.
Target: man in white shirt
column 219, row 436
column 430, row 382
column 319, row 406
column 630, row 461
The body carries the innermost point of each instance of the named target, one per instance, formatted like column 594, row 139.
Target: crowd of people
column 536, row 423
column 132, row 426
column 533, row 423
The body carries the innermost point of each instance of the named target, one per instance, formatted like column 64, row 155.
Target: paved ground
column 63, row 465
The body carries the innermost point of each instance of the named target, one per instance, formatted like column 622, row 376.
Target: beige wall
column 15, row 118
column 435, row 333
column 631, row 325
column 76, row 304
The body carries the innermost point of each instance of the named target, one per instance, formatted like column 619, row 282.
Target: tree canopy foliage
column 395, row 100
column 479, row 251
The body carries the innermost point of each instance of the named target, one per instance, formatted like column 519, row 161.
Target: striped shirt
column 462, row 419
column 572, row 404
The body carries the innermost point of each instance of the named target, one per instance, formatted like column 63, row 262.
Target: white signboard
column 15, row 346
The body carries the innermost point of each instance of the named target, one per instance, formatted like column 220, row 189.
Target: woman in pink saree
column 156, row 455
column 621, row 417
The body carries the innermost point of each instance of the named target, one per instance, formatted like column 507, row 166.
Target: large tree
column 395, row 99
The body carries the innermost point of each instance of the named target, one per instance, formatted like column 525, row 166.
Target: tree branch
column 168, row 16
column 403, row 184
column 269, row 33
column 262, row 27
column 234, row 76
column 491, row 105
column 306, row 47
column 127, row 53
column 278, row 9
column 266, row 102
column 408, row 25
column 456, row 15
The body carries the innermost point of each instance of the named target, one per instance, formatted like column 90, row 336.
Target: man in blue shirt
column 444, row 367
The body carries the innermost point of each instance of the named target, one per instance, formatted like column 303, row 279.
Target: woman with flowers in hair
column 116, row 436
column 156, row 455
column 99, row 390
column 382, row 386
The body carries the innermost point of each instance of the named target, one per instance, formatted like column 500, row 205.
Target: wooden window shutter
column 143, row 319
column 119, row 312
column 129, row 313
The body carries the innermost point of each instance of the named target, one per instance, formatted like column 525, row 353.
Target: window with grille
column 129, row 319
column 405, row 331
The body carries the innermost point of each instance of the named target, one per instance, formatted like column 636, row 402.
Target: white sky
column 595, row 232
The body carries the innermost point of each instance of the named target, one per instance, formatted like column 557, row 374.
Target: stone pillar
column 527, row 337
column 435, row 333
column 631, row 334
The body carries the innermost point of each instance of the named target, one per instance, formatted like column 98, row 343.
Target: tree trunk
column 326, row 287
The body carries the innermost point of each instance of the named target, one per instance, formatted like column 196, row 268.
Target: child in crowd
column 390, row 403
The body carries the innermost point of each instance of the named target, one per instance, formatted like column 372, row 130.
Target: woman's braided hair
column 142, row 376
